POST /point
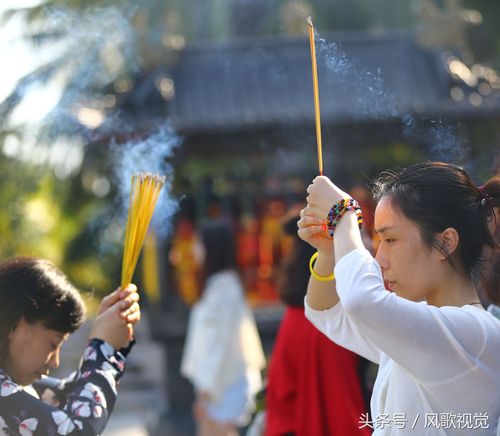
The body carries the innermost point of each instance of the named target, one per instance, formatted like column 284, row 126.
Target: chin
column 25, row 381
column 410, row 297
column 403, row 294
column 30, row 379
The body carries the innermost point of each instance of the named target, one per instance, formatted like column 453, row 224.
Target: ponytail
column 491, row 192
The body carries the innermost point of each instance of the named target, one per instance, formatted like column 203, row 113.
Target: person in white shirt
column 223, row 354
column 438, row 350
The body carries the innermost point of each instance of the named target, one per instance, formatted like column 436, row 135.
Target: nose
column 381, row 258
column 54, row 359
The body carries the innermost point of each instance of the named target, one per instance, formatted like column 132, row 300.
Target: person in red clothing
column 314, row 386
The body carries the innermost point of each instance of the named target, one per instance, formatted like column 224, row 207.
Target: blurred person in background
column 223, row 355
column 39, row 309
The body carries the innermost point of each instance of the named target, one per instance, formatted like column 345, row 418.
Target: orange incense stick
column 317, row 115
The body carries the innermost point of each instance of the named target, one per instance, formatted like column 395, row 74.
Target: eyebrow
column 385, row 229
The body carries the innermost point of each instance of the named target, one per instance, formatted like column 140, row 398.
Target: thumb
column 109, row 300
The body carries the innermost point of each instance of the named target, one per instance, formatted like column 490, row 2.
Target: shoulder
column 7, row 386
column 467, row 316
column 224, row 282
column 476, row 324
column 483, row 317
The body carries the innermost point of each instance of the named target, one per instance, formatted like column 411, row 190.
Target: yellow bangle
column 315, row 274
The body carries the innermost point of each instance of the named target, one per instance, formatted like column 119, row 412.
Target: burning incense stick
column 317, row 115
column 144, row 194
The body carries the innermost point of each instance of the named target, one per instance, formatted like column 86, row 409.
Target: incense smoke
column 88, row 51
column 366, row 88
column 149, row 155
column 85, row 52
column 444, row 139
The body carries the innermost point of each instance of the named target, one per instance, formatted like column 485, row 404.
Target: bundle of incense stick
column 144, row 194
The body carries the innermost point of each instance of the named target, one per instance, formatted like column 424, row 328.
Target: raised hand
column 323, row 194
column 116, row 315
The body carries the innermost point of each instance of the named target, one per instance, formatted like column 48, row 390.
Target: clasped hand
column 322, row 195
column 117, row 314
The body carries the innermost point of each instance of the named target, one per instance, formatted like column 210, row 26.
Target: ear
column 448, row 240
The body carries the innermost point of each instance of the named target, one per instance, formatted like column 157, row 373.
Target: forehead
column 387, row 216
column 45, row 332
column 385, row 211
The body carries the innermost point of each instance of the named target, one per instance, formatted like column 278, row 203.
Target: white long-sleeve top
column 222, row 344
column 439, row 366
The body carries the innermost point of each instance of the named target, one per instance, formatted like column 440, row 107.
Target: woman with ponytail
column 438, row 350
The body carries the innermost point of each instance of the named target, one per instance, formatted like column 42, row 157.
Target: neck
column 454, row 290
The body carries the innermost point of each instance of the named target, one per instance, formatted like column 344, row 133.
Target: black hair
column 220, row 248
column 294, row 277
column 34, row 289
column 436, row 196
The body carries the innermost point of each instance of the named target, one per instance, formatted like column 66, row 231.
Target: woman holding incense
column 437, row 348
column 223, row 354
column 39, row 309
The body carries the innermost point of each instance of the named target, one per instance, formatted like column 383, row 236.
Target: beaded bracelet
column 339, row 209
column 315, row 274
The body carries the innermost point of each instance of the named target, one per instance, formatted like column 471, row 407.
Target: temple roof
column 242, row 85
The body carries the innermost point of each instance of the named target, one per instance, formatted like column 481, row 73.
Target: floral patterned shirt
column 78, row 405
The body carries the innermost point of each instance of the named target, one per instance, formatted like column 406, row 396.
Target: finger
column 128, row 301
column 134, row 317
column 321, row 179
column 306, row 212
column 129, row 311
column 308, row 233
column 131, row 288
column 110, row 299
column 310, row 200
column 131, row 298
column 124, row 293
column 309, row 220
column 310, row 187
column 133, row 308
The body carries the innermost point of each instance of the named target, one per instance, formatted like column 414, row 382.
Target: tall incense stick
column 144, row 194
column 317, row 115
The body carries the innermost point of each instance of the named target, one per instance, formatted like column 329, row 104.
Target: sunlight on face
column 409, row 266
column 33, row 351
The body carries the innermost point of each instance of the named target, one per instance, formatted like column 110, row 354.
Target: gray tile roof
column 260, row 83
